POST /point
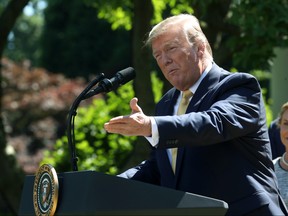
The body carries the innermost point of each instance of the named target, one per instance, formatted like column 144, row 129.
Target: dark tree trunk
column 143, row 12
column 11, row 179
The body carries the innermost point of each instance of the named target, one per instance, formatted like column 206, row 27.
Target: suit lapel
column 167, row 108
column 211, row 79
column 170, row 101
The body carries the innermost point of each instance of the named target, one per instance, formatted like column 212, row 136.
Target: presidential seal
column 45, row 191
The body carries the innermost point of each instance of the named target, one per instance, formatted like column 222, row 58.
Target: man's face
column 177, row 58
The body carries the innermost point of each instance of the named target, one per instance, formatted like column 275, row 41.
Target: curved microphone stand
column 71, row 118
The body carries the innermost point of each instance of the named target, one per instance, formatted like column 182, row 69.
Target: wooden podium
column 93, row 193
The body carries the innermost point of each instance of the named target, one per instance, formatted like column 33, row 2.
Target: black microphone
column 106, row 85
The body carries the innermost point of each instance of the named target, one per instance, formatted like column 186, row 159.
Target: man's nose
column 166, row 59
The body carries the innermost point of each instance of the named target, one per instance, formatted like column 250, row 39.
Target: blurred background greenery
column 51, row 49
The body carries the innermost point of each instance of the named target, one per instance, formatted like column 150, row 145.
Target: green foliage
column 77, row 43
column 263, row 78
column 157, row 86
column 23, row 40
column 118, row 13
column 96, row 149
column 174, row 6
column 3, row 4
column 262, row 26
column 269, row 114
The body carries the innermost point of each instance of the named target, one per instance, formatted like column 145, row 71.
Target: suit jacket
column 223, row 144
column 277, row 146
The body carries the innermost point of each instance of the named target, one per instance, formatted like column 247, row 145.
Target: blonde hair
column 283, row 109
column 190, row 26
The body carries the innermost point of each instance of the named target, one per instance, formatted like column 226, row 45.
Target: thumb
column 134, row 106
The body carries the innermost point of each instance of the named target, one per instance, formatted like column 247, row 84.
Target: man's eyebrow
column 167, row 44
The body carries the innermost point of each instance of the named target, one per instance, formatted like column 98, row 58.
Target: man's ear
column 201, row 50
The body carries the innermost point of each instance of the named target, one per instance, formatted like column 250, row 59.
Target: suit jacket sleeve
column 230, row 109
column 147, row 171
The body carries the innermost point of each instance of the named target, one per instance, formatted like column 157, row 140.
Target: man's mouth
column 172, row 71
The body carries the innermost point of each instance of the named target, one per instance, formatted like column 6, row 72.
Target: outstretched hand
column 135, row 124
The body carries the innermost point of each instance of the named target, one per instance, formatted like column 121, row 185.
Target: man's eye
column 284, row 123
column 157, row 57
column 171, row 48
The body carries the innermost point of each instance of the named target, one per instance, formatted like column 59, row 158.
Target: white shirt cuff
column 154, row 139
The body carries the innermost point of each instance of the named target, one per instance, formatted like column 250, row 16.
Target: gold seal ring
column 45, row 191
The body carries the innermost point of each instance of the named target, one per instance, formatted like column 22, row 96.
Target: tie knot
column 187, row 95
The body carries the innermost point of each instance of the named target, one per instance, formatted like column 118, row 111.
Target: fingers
column 134, row 106
column 117, row 119
column 133, row 125
column 115, row 124
column 111, row 127
column 120, row 125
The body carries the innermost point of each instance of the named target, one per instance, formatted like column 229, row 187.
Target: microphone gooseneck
column 104, row 85
column 107, row 85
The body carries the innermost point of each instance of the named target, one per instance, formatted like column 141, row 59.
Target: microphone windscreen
column 126, row 74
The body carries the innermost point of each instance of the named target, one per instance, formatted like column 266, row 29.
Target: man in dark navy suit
column 222, row 142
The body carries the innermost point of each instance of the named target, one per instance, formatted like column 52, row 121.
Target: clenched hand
column 135, row 124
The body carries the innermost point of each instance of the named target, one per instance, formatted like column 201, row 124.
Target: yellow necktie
column 181, row 110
